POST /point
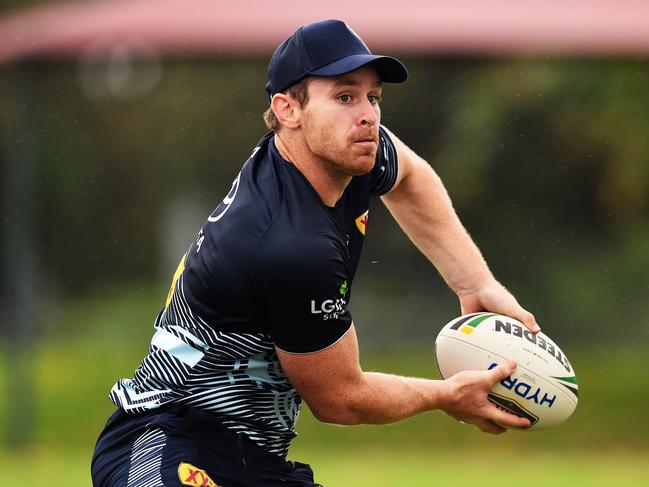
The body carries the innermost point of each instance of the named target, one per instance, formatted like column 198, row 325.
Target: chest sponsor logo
column 330, row 309
column 361, row 221
column 190, row 475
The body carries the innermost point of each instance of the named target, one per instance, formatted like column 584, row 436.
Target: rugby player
column 257, row 316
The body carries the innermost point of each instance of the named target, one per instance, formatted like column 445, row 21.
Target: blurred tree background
column 546, row 160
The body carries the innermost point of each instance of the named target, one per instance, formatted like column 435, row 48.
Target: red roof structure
column 244, row 27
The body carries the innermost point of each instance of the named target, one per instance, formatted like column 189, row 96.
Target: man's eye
column 374, row 100
column 345, row 98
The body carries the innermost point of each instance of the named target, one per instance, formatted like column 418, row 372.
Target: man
column 257, row 318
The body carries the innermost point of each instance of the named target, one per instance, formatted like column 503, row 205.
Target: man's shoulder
column 254, row 189
column 244, row 214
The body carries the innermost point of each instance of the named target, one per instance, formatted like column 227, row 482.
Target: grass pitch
column 605, row 443
column 381, row 467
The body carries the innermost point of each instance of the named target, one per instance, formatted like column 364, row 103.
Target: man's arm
column 420, row 204
column 338, row 391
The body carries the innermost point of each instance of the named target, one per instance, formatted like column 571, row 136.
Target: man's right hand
column 465, row 399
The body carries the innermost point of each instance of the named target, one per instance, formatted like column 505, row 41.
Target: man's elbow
column 341, row 412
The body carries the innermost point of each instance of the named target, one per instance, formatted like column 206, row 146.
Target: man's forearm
column 423, row 209
column 337, row 390
column 382, row 398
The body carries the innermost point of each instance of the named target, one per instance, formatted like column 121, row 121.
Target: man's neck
column 327, row 182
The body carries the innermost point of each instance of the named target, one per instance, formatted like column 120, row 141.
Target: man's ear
column 286, row 110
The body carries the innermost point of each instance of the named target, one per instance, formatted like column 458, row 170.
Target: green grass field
column 605, row 443
column 384, row 467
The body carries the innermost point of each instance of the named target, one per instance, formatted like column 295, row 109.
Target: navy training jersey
column 271, row 266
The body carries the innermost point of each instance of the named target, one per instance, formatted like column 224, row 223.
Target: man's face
column 340, row 121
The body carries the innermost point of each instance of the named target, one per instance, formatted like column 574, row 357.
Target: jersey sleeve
column 303, row 289
column 386, row 168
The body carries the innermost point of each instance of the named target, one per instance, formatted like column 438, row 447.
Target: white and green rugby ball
column 543, row 388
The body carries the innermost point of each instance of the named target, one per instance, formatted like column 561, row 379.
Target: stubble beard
column 346, row 163
column 344, row 159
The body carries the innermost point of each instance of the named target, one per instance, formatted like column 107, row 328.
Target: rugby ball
column 543, row 388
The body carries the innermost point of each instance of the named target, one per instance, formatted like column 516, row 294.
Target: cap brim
column 390, row 70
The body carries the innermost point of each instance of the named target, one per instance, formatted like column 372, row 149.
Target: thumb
column 503, row 371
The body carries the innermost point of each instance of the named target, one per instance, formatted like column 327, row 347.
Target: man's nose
column 368, row 115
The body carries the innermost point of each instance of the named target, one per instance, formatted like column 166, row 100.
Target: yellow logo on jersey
column 190, row 475
column 361, row 221
column 179, row 271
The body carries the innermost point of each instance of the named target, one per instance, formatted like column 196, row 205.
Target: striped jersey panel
column 235, row 376
column 146, row 459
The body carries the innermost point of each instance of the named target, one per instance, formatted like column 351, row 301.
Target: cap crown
column 311, row 47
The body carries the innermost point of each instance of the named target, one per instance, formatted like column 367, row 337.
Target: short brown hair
column 299, row 92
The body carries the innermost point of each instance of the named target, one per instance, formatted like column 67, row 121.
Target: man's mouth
column 366, row 140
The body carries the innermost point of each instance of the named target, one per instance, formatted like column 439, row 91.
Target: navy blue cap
column 326, row 48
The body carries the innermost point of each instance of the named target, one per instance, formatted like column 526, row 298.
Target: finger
column 529, row 321
column 516, row 311
column 508, row 420
column 490, row 427
column 502, row 371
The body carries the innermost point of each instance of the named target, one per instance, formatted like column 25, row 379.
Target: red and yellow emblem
column 190, row 475
column 361, row 221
